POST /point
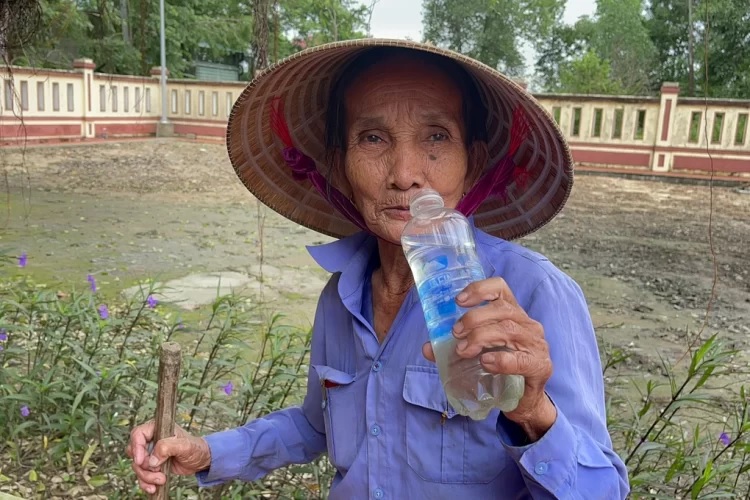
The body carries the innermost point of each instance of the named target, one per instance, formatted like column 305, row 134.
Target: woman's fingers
column 148, row 480
column 427, row 352
column 484, row 291
column 180, row 448
column 491, row 313
column 489, row 336
column 139, row 438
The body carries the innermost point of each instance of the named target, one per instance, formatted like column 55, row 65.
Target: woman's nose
column 407, row 167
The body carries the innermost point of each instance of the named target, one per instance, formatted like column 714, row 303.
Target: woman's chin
column 390, row 232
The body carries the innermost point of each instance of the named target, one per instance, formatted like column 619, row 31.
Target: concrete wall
column 661, row 134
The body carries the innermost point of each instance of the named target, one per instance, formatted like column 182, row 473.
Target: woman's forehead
column 407, row 83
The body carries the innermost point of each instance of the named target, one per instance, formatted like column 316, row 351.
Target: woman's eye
column 438, row 137
column 372, row 139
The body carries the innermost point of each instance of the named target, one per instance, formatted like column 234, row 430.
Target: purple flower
column 25, row 411
column 228, row 388
column 3, row 334
column 103, row 311
column 92, row 282
column 151, row 301
column 22, row 260
column 1, row 348
column 724, row 438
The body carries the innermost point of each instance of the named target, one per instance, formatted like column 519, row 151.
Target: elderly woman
column 338, row 138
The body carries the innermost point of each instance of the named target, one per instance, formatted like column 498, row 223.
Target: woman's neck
column 391, row 281
column 394, row 273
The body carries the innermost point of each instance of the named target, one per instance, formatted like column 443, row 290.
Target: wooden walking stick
column 166, row 404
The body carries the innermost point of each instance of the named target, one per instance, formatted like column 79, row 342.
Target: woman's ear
column 478, row 157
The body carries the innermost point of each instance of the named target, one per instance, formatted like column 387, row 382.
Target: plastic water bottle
column 439, row 244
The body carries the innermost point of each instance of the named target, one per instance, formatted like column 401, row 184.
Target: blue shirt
column 380, row 411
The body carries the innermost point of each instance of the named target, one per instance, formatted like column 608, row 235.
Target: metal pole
column 163, row 66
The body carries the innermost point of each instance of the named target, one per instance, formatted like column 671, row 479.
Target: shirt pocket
column 340, row 415
column 442, row 446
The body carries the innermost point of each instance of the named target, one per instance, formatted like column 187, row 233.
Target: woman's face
column 404, row 132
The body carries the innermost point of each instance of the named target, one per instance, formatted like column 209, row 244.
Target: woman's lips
column 398, row 212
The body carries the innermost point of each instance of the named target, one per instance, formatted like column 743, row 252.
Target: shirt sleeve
column 575, row 458
column 293, row 435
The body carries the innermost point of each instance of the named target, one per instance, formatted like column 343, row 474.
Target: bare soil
column 647, row 253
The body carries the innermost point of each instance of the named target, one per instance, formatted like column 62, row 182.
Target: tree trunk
column 144, row 12
column 4, row 28
column 276, row 30
column 124, row 11
column 260, row 33
column 335, row 21
column 691, row 54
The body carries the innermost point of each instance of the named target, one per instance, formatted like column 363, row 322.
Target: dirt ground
column 167, row 209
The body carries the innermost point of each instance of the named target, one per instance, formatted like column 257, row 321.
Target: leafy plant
column 686, row 436
column 77, row 373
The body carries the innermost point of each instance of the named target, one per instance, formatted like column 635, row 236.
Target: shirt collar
column 336, row 256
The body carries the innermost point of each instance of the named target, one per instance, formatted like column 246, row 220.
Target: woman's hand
column 189, row 454
column 502, row 323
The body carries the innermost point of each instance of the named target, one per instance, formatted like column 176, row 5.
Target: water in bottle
column 439, row 245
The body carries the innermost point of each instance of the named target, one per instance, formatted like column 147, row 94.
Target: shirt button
column 378, row 493
column 377, row 366
column 323, row 404
column 541, row 468
column 375, row 430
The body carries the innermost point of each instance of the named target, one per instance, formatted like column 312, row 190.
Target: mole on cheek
column 432, row 157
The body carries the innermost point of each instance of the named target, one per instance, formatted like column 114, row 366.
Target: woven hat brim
column 303, row 82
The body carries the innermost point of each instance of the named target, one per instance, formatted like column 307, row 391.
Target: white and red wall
column 656, row 134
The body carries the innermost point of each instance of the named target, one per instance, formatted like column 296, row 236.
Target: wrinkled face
column 404, row 132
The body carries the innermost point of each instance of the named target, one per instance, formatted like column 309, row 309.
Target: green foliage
column 687, row 436
column 491, row 31
column 314, row 22
column 621, row 38
column 647, row 43
column 122, row 36
column 721, row 26
column 614, row 45
column 587, row 75
column 87, row 380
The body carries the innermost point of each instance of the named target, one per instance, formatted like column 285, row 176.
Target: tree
column 588, row 74
column 313, row 22
column 564, row 45
column 667, row 24
column 725, row 33
column 614, row 42
column 260, row 34
column 622, row 39
column 721, row 34
column 491, row 31
column 96, row 29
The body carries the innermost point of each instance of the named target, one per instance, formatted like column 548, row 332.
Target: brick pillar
column 86, row 67
column 662, row 160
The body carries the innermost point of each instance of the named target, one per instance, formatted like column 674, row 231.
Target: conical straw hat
column 302, row 83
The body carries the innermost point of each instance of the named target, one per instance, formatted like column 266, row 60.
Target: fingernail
column 151, row 489
column 462, row 297
column 462, row 345
column 458, row 328
column 153, row 461
column 486, row 357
